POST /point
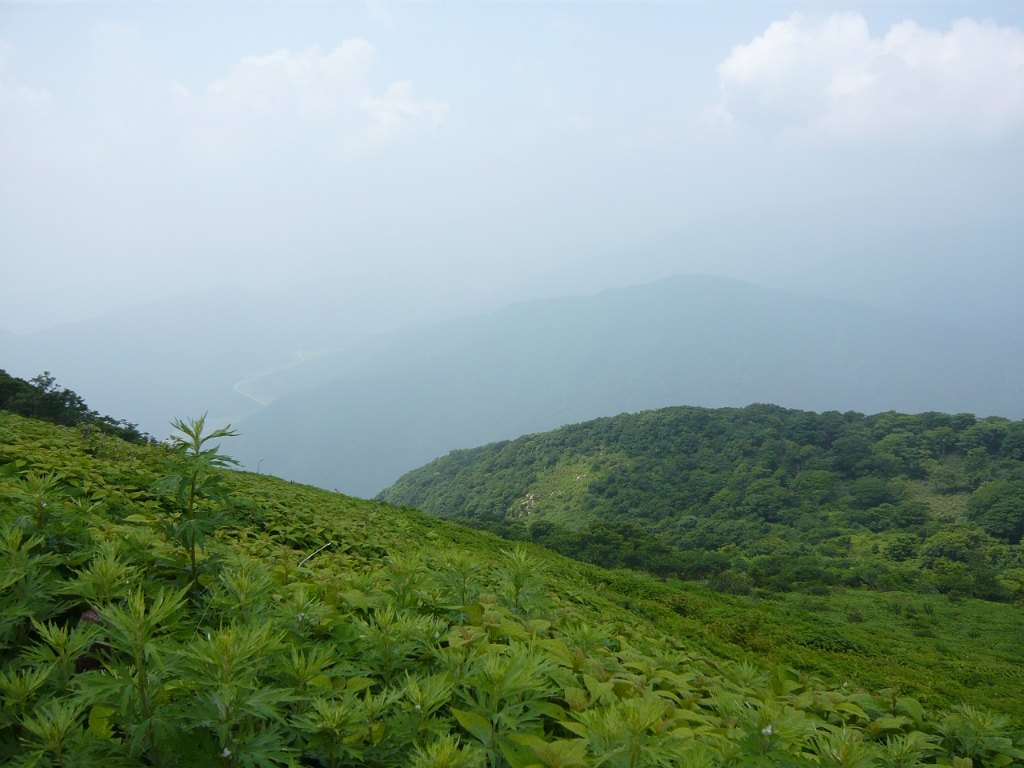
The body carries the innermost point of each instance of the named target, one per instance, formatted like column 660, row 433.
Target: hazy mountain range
column 415, row 394
column 422, row 347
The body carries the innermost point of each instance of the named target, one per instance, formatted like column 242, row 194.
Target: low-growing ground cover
column 939, row 650
column 158, row 609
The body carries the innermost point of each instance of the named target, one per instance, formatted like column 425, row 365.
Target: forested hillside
column 759, row 498
column 42, row 398
column 160, row 609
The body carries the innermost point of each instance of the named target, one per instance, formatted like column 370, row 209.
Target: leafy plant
column 196, row 486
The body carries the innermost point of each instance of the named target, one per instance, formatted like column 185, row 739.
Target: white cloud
column 286, row 97
column 14, row 96
column 829, row 75
column 23, row 111
column 399, row 107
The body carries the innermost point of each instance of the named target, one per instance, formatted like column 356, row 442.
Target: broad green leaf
column 910, row 707
column 518, row 753
column 99, row 722
column 479, row 726
column 359, row 683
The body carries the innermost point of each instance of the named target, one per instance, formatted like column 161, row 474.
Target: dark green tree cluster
column 757, row 498
column 306, row 629
column 42, row 398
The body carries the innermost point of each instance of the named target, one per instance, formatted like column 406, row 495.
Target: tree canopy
column 42, row 398
column 756, row 498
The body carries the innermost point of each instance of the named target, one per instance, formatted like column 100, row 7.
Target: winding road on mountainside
column 265, row 400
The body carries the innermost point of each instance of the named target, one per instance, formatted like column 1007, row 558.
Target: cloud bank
column 146, row 149
column 285, row 96
column 830, row 76
column 21, row 108
column 262, row 103
column 12, row 93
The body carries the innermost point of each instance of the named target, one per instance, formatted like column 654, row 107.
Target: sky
column 437, row 152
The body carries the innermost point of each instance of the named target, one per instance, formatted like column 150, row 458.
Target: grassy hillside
column 758, row 498
column 315, row 629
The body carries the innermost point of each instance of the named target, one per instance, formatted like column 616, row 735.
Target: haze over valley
column 409, row 396
column 191, row 226
column 232, row 351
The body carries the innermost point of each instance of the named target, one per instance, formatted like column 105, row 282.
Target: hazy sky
column 152, row 149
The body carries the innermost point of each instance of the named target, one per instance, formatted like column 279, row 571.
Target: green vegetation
column 308, row 628
column 42, row 398
column 757, row 499
column 941, row 649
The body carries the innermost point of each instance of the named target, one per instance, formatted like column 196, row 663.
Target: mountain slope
column 692, row 339
column 757, row 498
column 325, row 630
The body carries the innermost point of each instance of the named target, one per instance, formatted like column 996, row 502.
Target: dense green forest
column 757, row 499
column 158, row 608
column 42, row 398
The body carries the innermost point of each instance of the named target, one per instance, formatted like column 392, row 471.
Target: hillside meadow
column 161, row 609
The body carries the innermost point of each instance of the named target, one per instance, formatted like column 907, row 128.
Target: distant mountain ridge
column 700, row 340
column 179, row 356
column 229, row 350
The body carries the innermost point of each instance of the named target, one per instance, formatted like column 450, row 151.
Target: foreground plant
column 196, row 486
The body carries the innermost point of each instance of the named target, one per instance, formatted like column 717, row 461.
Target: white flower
column 767, row 730
column 226, row 752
